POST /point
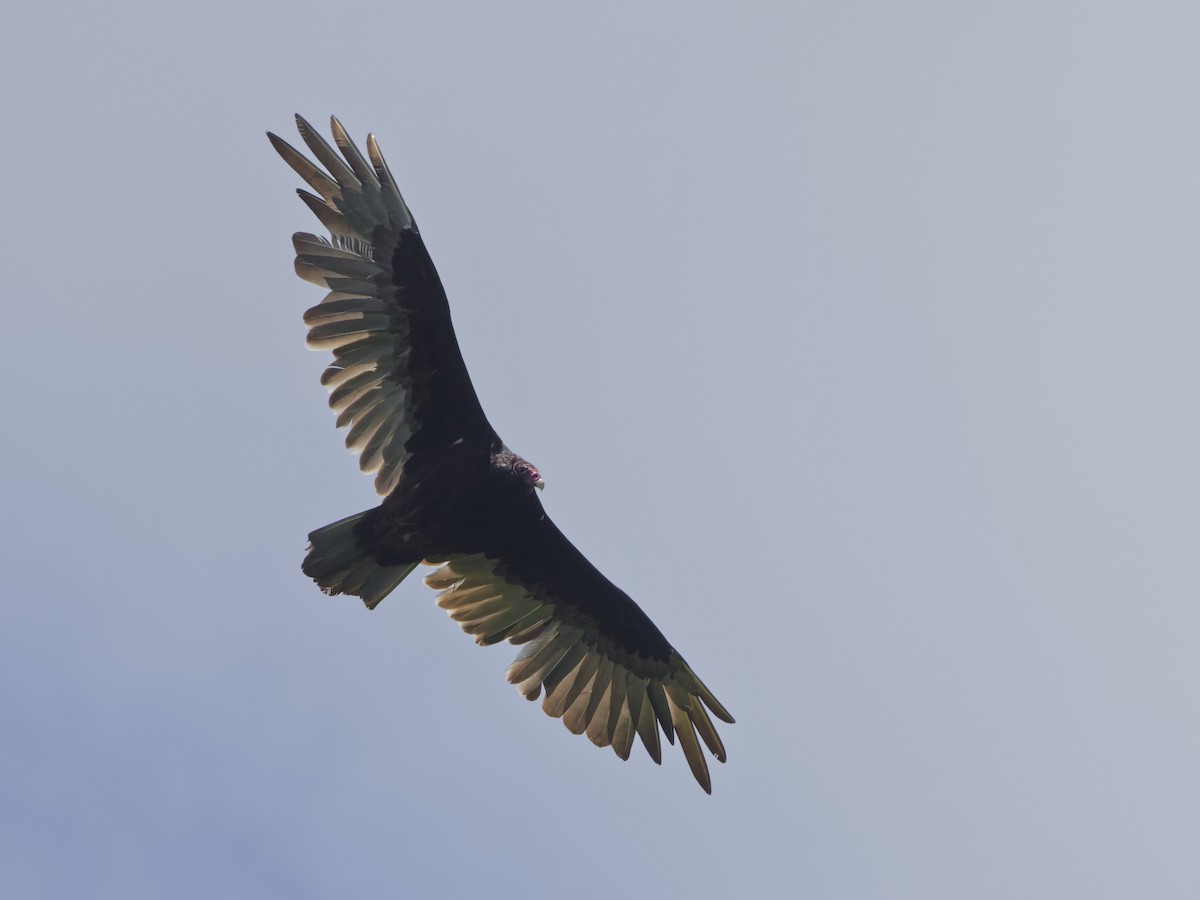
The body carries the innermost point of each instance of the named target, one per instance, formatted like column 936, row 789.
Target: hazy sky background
column 856, row 341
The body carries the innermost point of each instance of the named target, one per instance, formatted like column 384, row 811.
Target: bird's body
column 454, row 495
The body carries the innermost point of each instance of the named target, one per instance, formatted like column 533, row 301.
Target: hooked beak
column 539, row 484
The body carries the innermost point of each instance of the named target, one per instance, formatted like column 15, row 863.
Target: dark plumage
column 454, row 495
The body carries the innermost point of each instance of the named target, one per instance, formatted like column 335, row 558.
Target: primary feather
column 455, row 496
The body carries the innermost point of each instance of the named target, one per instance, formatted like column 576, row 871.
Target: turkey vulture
column 454, row 495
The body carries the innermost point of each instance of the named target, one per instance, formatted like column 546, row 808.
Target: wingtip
column 302, row 124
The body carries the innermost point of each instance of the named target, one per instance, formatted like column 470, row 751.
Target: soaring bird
column 454, row 495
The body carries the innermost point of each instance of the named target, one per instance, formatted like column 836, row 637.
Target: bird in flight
column 454, row 495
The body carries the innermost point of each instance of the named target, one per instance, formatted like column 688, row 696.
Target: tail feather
column 340, row 565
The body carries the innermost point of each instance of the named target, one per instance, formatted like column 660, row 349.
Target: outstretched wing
column 603, row 665
column 397, row 378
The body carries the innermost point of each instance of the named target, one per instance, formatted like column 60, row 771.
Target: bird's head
column 527, row 472
column 507, row 463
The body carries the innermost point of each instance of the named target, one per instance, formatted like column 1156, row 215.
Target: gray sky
column 857, row 342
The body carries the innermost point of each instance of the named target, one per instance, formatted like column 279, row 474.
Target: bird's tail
column 340, row 564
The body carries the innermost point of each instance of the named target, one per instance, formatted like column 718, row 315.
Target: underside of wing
column 603, row 675
column 397, row 379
